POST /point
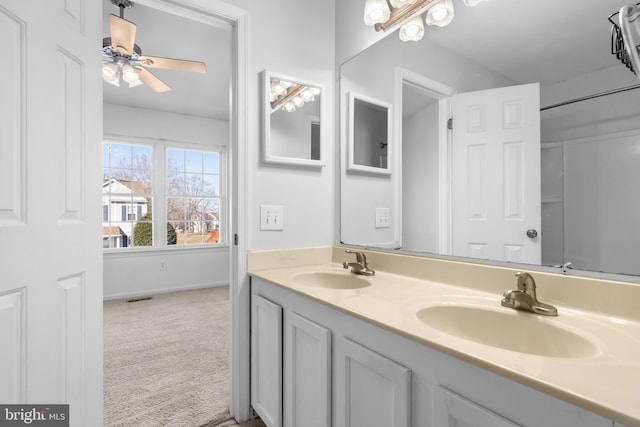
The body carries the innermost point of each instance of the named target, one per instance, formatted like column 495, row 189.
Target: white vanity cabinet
column 266, row 360
column 307, row 372
column 452, row 410
column 290, row 367
column 371, row 390
column 342, row 371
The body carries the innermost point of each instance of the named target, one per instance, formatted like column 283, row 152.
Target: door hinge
column 235, row 239
column 450, row 123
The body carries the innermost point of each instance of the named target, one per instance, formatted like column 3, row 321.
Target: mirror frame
column 351, row 165
column 267, row 156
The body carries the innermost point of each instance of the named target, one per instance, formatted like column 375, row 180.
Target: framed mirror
column 291, row 121
column 589, row 142
column 370, row 124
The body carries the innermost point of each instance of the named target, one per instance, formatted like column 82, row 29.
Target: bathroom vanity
column 426, row 342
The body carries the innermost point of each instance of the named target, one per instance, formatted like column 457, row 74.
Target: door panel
column 496, row 174
column 50, row 136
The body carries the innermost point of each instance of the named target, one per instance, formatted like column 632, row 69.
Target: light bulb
column 289, row 107
column 306, row 95
column 376, row 11
column 298, row 102
column 129, row 74
column 110, row 71
column 285, row 84
column 314, row 91
column 440, row 14
column 412, row 30
column 277, row 89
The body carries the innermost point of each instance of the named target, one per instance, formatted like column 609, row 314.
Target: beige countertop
column 605, row 380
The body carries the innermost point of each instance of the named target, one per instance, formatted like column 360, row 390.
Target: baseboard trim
column 150, row 292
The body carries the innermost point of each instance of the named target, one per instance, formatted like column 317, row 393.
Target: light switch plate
column 271, row 217
column 383, row 217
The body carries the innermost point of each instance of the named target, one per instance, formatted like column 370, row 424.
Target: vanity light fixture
column 290, row 96
column 386, row 14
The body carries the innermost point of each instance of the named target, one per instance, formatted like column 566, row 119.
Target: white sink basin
column 511, row 330
column 331, row 280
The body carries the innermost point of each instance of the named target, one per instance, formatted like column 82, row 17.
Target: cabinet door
column 266, row 360
column 371, row 390
column 452, row 410
column 307, row 373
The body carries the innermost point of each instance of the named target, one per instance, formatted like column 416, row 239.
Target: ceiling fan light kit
column 123, row 59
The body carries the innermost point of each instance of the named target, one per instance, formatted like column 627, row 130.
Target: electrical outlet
column 163, row 265
column 271, row 217
column 383, row 217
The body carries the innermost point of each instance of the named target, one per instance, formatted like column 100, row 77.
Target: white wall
column 293, row 38
column 420, row 192
column 373, row 74
column 140, row 272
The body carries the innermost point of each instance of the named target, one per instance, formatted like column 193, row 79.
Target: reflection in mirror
column 291, row 121
column 369, row 134
column 589, row 151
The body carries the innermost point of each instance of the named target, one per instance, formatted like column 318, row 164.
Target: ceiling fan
column 122, row 58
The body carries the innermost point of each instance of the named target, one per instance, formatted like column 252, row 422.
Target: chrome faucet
column 524, row 298
column 359, row 267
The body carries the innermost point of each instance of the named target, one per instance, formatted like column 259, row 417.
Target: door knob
column 531, row 233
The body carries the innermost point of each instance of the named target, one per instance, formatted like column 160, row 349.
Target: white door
column 50, row 236
column 495, row 190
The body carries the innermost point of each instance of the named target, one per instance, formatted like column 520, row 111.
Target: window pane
column 193, row 205
column 175, row 159
column 210, row 185
column 127, row 195
column 194, row 184
column 194, row 161
column 120, row 156
column 176, row 210
column 175, row 183
column 211, row 163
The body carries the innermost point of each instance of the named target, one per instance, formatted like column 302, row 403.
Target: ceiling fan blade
column 151, row 80
column 173, row 64
column 123, row 34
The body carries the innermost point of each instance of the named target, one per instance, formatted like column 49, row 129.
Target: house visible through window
column 127, row 189
column 185, row 204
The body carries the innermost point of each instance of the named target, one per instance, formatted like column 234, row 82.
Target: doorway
column 182, row 117
column 424, row 108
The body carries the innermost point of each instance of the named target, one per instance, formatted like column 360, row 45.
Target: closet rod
column 596, row 95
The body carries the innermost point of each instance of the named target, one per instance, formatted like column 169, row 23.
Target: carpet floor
column 166, row 360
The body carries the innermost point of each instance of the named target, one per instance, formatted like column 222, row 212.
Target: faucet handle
column 360, row 257
column 526, row 282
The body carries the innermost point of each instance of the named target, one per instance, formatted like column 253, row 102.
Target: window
column 127, row 188
column 193, row 195
column 180, row 195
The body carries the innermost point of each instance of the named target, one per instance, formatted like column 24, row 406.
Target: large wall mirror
column 559, row 177
column 291, row 112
